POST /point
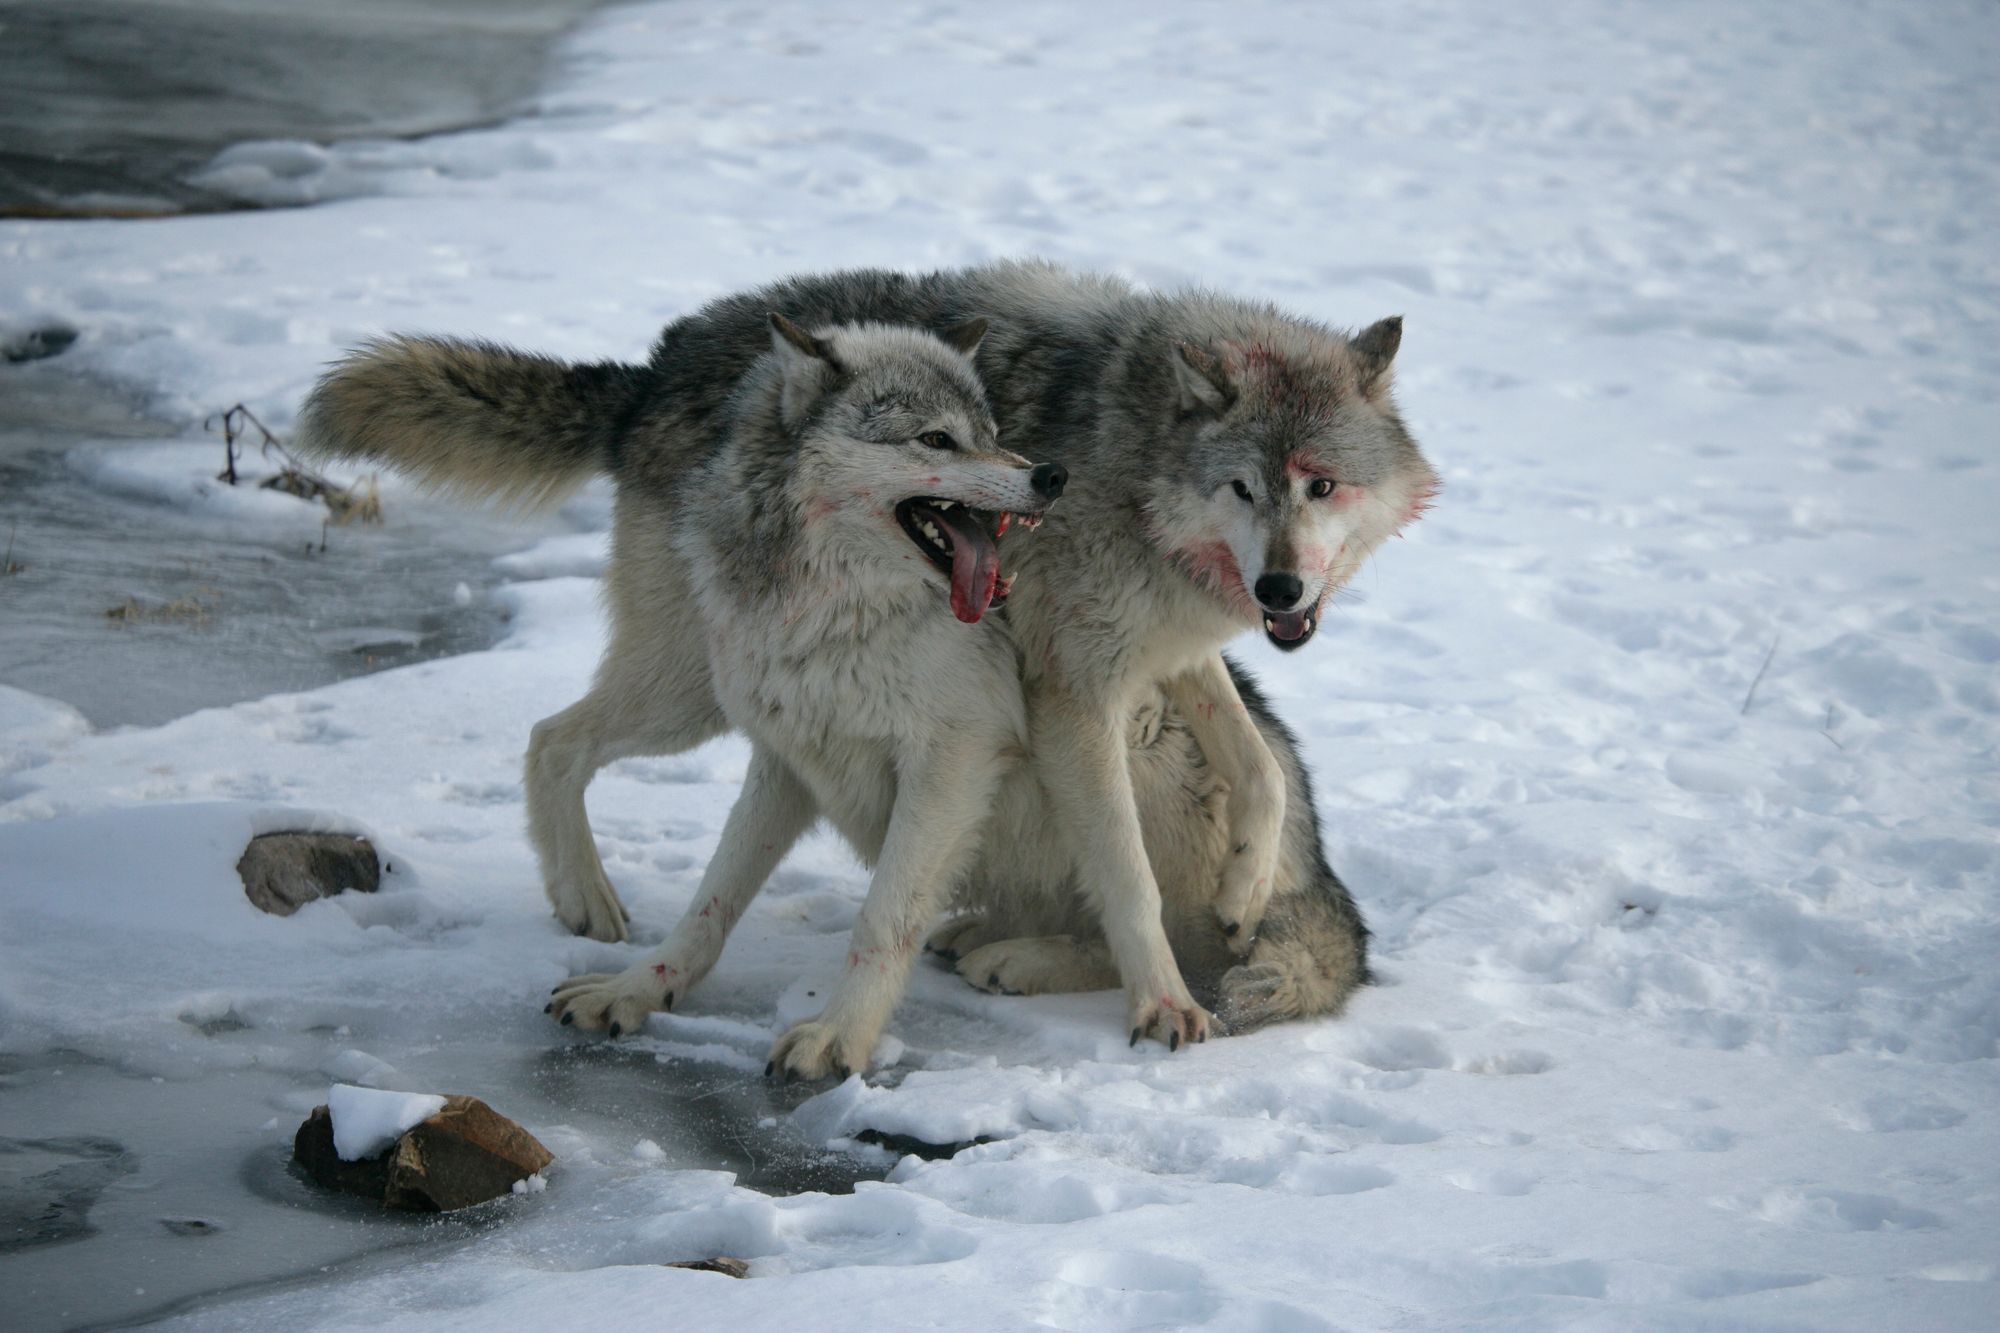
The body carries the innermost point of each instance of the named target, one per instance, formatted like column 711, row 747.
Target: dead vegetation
column 8, row 569
column 195, row 608
column 360, row 502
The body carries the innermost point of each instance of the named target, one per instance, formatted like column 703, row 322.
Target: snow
column 1662, row 756
column 367, row 1120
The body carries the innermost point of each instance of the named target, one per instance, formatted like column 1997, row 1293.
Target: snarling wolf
column 1234, row 466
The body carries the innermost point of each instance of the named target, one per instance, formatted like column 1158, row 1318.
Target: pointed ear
column 788, row 337
column 804, row 362
column 965, row 338
column 1203, row 383
column 1375, row 348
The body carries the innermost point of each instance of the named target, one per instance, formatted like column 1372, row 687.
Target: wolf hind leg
column 958, row 936
column 1311, row 956
column 645, row 701
column 771, row 813
column 1040, row 965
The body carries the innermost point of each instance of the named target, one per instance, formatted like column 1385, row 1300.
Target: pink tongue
column 1287, row 625
column 975, row 563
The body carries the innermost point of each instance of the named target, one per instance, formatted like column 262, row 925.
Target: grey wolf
column 1236, row 466
column 791, row 548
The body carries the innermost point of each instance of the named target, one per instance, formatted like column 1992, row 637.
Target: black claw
column 616, row 1030
column 1135, row 1038
column 668, row 1003
column 568, row 1018
column 1231, row 929
column 553, row 989
column 549, row 1008
column 993, row 980
column 1174, row 1040
column 770, row 1068
column 1201, row 1036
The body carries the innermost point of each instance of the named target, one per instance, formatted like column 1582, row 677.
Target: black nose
column 1279, row 592
column 1049, row 479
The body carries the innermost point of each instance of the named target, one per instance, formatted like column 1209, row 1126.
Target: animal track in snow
column 1667, row 1138
column 1889, row 1114
column 478, row 793
column 1506, row 1062
column 1127, row 1290
column 1506, row 1184
column 1814, row 1209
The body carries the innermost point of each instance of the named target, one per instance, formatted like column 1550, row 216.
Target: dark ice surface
column 169, row 1196
column 107, row 105
column 271, row 614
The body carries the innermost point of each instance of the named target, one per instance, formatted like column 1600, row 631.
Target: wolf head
column 1287, row 466
column 898, row 465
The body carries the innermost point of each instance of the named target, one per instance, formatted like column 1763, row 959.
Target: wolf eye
column 1242, row 490
column 937, row 439
column 1321, row 487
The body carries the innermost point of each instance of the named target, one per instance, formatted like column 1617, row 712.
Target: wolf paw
column 592, row 909
column 1177, row 1022
column 614, row 1002
column 959, row 937
column 1051, row 965
column 1253, row 995
column 1245, row 893
column 816, row 1049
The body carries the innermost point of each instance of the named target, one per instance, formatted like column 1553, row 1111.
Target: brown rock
column 722, row 1263
column 282, row 872
column 465, row 1154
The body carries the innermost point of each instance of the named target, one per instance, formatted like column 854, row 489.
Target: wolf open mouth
column 1289, row 630
column 964, row 543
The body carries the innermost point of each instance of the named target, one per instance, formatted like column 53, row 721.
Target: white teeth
column 931, row 532
column 944, row 504
column 1270, row 625
column 1309, row 624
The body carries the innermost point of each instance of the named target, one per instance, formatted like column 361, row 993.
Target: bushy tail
column 471, row 418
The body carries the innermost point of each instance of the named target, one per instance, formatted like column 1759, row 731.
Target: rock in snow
column 282, row 872
column 460, row 1153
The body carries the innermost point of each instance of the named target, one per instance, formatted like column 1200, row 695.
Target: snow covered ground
column 1664, row 756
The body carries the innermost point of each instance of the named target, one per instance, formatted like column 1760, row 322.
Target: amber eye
column 1321, row 488
column 937, row 439
column 1242, row 491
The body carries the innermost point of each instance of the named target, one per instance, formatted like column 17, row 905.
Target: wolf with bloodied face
column 812, row 509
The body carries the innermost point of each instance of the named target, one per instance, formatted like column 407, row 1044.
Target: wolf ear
column 789, row 338
column 804, row 362
column 1375, row 347
column 1203, row 383
column 965, row 338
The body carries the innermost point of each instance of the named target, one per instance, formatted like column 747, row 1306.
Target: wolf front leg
column 1080, row 760
column 770, row 814
column 942, row 803
column 1238, row 755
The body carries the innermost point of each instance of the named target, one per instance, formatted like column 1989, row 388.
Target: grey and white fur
column 1233, row 465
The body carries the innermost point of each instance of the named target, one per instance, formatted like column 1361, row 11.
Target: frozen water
column 109, row 106
column 132, row 562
